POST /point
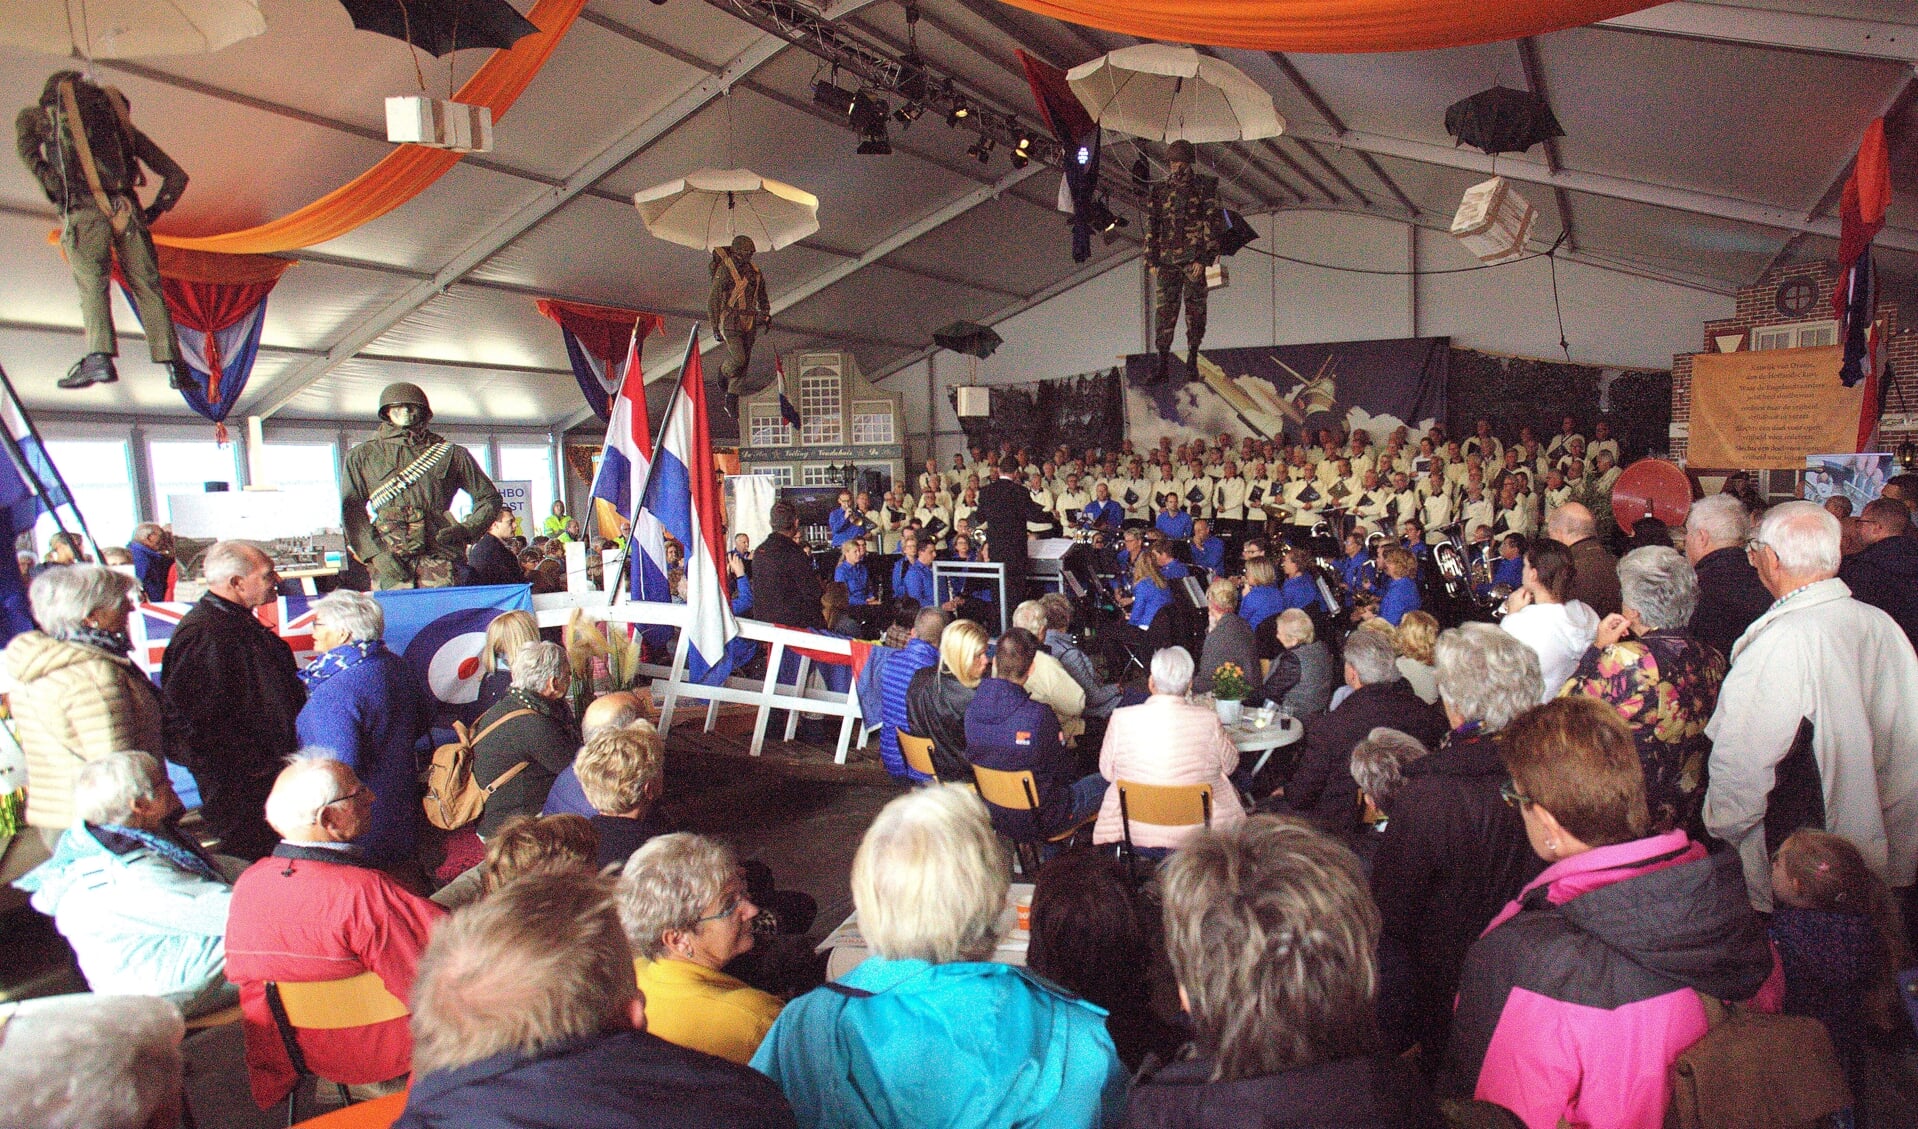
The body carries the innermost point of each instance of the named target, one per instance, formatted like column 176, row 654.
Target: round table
column 1282, row 732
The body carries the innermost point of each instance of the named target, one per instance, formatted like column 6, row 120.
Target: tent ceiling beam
column 1825, row 35
column 1535, row 82
column 643, row 134
column 927, row 273
column 1317, row 101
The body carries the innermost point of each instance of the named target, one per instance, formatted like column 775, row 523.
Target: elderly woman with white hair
column 527, row 738
column 105, row 1062
column 1301, row 677
column 77, row 694
column 684, row 903
column 368, row 709
column 903, row 1039
column 1453, row 853
column 1166, row 740
column 1662, row 681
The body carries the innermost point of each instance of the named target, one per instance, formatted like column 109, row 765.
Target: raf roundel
column 446, row 652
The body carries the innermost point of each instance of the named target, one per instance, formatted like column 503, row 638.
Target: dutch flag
column 624, row 465
column 786, row 410
column 683, row 494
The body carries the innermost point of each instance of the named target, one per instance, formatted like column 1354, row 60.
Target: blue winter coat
column 1007, row 730
column 894, row 681
column 371, row 714
column 944, row 1046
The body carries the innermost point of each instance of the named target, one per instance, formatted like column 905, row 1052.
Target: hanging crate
column 1493, row 221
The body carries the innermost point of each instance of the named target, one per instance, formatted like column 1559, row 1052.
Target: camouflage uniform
column 738, row 307
column 1181, row 240
column 412, row 542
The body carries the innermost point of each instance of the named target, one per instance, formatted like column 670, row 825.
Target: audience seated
column 615, row 710
column 536, row 729
column 142, row 905
column 1228, row 639
column 77, row 695
column 1321, row 784
column 1417, row 634
column 1595, row 570
column 1453, row 853
column 938, row 696
column 1300, row 680
column 92, row 1062
column 895, row 684
column 623, row 772
column 527, row 1016
column 537, row 844
column 1884, row 573
column 1167, row 740
column 900, row 1036
column 1542, row 1027
column 1543, row 615
column 1089, row 936
column 368, row 709
column 505, row 635
column 1662, row 682
column 1049, row 683
column 315, row 910
column 1378, row 768
column 1101, row 697
column 1271, row 933
column 1817, row 722
column 687, row 912
column 1730, row 595
column 1007, row 730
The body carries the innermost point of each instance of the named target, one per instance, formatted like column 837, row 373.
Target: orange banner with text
column 1767, row 410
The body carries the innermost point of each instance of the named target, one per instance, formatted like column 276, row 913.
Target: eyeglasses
column 1752, row 547
column 727, row 908
column 353, row 795
column 1514, row 798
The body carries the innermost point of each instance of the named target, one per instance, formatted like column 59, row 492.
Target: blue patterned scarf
column 172, row 850
column 344, row 657
column 114, row 643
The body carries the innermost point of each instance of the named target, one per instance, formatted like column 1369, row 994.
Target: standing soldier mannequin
column 406, row 475
column 91, row 174
column 738, row 308
column 1181, row 240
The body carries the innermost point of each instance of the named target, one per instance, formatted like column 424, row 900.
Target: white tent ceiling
column 1702, row 141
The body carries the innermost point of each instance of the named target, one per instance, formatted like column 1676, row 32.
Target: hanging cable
column 1545, row 254
column 1551, row 258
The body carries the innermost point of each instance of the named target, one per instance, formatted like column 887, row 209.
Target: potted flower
column 1229, row 692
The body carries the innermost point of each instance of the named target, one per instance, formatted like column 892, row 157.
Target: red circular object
column 1651, row 488
column 468, row 668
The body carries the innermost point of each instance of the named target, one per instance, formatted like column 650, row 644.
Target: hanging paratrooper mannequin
column 739, row 309
column 405, row 476
column 81, row 144
column 1181, row 241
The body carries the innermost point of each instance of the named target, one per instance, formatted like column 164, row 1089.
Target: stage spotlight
column 1019, row 158
column 868, row 116
column 908, row 113
column 981, row 149
column 959, row 112
column 834, row 97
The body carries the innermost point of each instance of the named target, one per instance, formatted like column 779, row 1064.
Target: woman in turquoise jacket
column 927, row 1032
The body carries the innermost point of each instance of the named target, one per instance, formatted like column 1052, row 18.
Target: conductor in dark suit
column 786, row 587
column 1005, row 507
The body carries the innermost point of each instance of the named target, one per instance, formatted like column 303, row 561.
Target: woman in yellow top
column 683, row 901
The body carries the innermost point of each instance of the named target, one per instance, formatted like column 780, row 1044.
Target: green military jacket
column 414, row 522
column 44, row 140
column 736, row 305
column 1182, row 221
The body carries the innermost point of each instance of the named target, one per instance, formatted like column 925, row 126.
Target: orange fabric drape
column 1332, row 26
column 410, row 169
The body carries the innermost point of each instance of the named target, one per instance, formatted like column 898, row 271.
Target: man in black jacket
column 786, row 587
column 1730, row 595
column 1884, row 573
column 230, row 692
column 491, row 560
column 1321, row 786
column 1004, row 509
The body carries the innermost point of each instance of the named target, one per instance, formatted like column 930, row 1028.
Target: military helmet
column 403, row 392
column 744, row 245
column 1180, row 150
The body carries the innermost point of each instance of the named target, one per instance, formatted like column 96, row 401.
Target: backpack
column 453, row 798
column 1756, row 1071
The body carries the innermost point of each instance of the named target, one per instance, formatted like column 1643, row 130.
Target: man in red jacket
column 315, row 910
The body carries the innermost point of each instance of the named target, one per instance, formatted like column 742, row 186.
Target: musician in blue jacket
column 916, row 580
column 846, row 522
column 1208, row 552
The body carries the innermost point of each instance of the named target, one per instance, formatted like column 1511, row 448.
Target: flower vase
column 1230, row 710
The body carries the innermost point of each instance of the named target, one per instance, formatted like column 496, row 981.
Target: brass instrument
column 1452, row 558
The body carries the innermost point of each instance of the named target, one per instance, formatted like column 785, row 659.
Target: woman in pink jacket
column 1580, row 995
column 1167, row 740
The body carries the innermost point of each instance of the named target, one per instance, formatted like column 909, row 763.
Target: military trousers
column 391, row 572
column 739, row 357
column 1169, row 286
column 91, row 243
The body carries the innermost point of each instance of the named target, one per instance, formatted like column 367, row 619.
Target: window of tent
column 300, row 466
column 482, row 452
column 530, row 463
column 185, row 466
column 97, row 473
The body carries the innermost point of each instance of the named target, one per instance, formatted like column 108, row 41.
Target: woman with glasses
column 929, row 1030
column 683, row 901
column 1543, row 1027
column 1453, row 853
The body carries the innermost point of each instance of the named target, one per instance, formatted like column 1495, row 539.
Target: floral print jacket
column 1665, row 685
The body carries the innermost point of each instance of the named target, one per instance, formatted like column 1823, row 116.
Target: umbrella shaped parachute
column 439, row 27
column 707, row 208
column 124, row 29
column 1166, row 93
column 967, row 337
column 1502, row 120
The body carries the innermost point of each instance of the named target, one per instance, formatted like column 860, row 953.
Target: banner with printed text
column 1271, row 391
column 1769, row 409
